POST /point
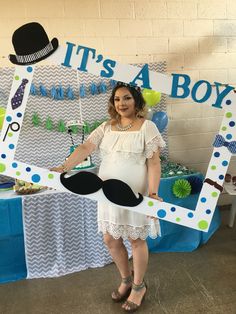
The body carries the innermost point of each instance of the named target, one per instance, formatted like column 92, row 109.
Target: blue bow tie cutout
column 220, row 141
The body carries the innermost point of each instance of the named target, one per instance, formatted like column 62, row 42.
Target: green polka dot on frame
column 2, row 167
column 228, row 115
column 203, row 224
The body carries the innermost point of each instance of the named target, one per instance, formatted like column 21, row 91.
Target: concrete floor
column 203, row 281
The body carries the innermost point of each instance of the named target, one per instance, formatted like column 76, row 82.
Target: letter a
column 143, row 76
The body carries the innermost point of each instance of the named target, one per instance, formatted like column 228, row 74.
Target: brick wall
column 196, row 37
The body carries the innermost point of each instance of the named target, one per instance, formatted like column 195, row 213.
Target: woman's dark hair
column 135, row 91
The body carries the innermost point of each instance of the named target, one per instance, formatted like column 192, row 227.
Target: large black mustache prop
column 115, row 190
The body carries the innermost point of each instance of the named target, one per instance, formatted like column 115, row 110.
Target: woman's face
column 124, row 103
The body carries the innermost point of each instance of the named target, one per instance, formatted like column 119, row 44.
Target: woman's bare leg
column 119, row 255
column 140, row 262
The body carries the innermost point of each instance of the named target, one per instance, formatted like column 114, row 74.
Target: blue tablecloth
column 176, row 238
column 12, row 252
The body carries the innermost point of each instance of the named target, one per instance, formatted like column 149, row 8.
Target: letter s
column 108, row 65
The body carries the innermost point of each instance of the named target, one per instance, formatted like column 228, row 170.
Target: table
column 12, row 252
column 60, row 233
column 231, row 190
column 176, row 238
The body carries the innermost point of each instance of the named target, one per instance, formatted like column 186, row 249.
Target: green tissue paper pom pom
column 181, row 188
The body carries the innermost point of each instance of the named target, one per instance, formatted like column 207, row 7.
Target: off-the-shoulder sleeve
column 153, row 139
column 97, row 135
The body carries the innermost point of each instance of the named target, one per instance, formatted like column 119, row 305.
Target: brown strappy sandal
column 133, row 307
column 117, row 296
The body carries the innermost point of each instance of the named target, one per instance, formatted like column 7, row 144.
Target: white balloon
column 149, row 113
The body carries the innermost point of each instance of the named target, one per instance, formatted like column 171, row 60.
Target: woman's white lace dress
column 124, row 155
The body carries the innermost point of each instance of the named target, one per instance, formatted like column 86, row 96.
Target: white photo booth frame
column 86, row 59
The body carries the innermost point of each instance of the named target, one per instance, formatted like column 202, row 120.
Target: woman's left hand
column 158, row 198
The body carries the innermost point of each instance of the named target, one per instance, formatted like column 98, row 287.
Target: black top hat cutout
column 31, row 44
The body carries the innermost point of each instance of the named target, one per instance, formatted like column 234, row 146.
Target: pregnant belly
column 135, row 175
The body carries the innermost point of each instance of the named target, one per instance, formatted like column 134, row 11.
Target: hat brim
column 55, row 44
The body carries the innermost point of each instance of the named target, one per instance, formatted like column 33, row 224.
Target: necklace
column 124, row 128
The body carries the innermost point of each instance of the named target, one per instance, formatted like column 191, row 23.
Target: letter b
column 176, row 85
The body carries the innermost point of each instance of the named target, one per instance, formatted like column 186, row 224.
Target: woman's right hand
column 58, row 169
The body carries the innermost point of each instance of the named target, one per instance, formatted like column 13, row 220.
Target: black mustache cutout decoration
column 116, row 191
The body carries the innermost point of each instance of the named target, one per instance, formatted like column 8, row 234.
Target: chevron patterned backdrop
column 61, row 236
column 60, row 228
column 46, row 148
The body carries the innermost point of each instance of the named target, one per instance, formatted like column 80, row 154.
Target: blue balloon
column 161, row 120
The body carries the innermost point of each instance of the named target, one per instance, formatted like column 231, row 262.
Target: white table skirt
column 60, row 231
